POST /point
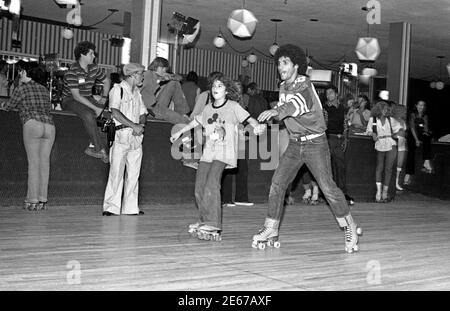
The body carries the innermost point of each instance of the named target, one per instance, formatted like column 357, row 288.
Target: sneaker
column 90, row 151
column 230, row 204
column 244, row 203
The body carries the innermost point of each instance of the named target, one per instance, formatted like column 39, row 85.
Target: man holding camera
column 129, row 114
column 78, row 97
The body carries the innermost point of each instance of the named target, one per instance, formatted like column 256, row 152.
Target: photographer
column 77, row 95
column 129, row 114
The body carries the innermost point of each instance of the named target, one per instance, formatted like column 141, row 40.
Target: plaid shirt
column 33, row 102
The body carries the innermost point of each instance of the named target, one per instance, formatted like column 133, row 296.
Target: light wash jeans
column 207, row 192
column 38, row 138
column 315, row 154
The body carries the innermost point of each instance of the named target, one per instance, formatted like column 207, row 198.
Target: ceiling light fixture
column 438, row 85
column 274, row 47
column 367, row 49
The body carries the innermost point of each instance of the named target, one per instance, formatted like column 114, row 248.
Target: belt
column 307, row 137
column 337, row 135
column 122, row 126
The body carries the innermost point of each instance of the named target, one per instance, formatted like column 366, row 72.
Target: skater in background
column 419, row 135
column 129, row 114
column 385, row 131
column 240, row 173
column 399, row 114
column 220, row 120
column 300, row 108
column 32, row 100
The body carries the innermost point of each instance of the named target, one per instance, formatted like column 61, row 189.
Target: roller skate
column 192, row 230
column 351, row 233
column 306, row 199
column 315, row 196
column 208, row 233
column 267, row 236
column 30, row 206
column 41, row 206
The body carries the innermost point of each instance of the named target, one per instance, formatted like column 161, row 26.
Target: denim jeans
column 338, row 162
column 38, row 138
column 241, row 185
column 411, row 158
column 385, row 163
column 171, row 91
column 207, row 192
column 315, row 153
column 87, row 115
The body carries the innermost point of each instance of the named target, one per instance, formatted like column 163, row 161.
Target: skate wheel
column 359, row 231
column 276, row 244
column 254, row 244
column 261, row 246
column 219, row 238
column 356, row 248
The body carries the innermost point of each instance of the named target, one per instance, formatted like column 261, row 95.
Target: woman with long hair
column 385, row 130
column 419, row 135
column 32, row 100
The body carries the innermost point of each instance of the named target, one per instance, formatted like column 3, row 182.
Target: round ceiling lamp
column 252, row 58
column 67, row 33
column 219, row 41
column 242, row 23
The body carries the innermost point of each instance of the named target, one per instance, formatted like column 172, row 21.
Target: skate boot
column 41, row 206
column 315, row 196
column 351, row 233
column 268, row 235
column 307, row 196
column 209, row 233
column 30, row 206
column 192, row 230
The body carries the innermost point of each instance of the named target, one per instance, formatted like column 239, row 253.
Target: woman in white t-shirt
column 385, row 131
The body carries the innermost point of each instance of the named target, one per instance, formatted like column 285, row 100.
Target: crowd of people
column 310, row 133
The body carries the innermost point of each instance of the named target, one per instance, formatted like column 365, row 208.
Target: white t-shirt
column 384, row 133
column 221, row 131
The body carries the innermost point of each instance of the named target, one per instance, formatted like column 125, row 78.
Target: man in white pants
column 129, row 114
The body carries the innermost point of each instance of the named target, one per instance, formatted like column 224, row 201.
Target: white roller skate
column 315, row 196
column 268, row 235
column 307, row 196
column 192, row 230
column 208, row 233
column 351, row 233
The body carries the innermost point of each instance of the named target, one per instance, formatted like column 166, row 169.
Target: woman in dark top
column 418, row 135
column 32, row 100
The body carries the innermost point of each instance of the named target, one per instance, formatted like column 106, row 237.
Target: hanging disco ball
column 242, row 23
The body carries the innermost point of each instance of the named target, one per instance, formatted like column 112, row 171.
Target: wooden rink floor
column 405, row 246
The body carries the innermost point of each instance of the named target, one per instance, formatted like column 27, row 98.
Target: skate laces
column 264, row 231
column 348, row 233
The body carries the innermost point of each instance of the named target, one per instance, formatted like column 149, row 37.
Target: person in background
column 241, row 171
column 399, row 114
column 160, row 89
column 419, row 135
column 130, row 115
column 337, row 132
column 191, row 89
column 78, row 97
column 4, row 83
column 32, row 100
column 256, row 102
column 385, row 131
column 359, row 114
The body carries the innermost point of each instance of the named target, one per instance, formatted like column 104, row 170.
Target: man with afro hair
column 301, row 110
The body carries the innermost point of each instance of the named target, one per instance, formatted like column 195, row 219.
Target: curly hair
column 398, row 112
column 230, row 87
column 83, row 47
column 378, row 108
column 295, row 54
column 158, row 62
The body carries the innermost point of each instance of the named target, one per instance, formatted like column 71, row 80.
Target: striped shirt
column 77, row 78
column 33, row 102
